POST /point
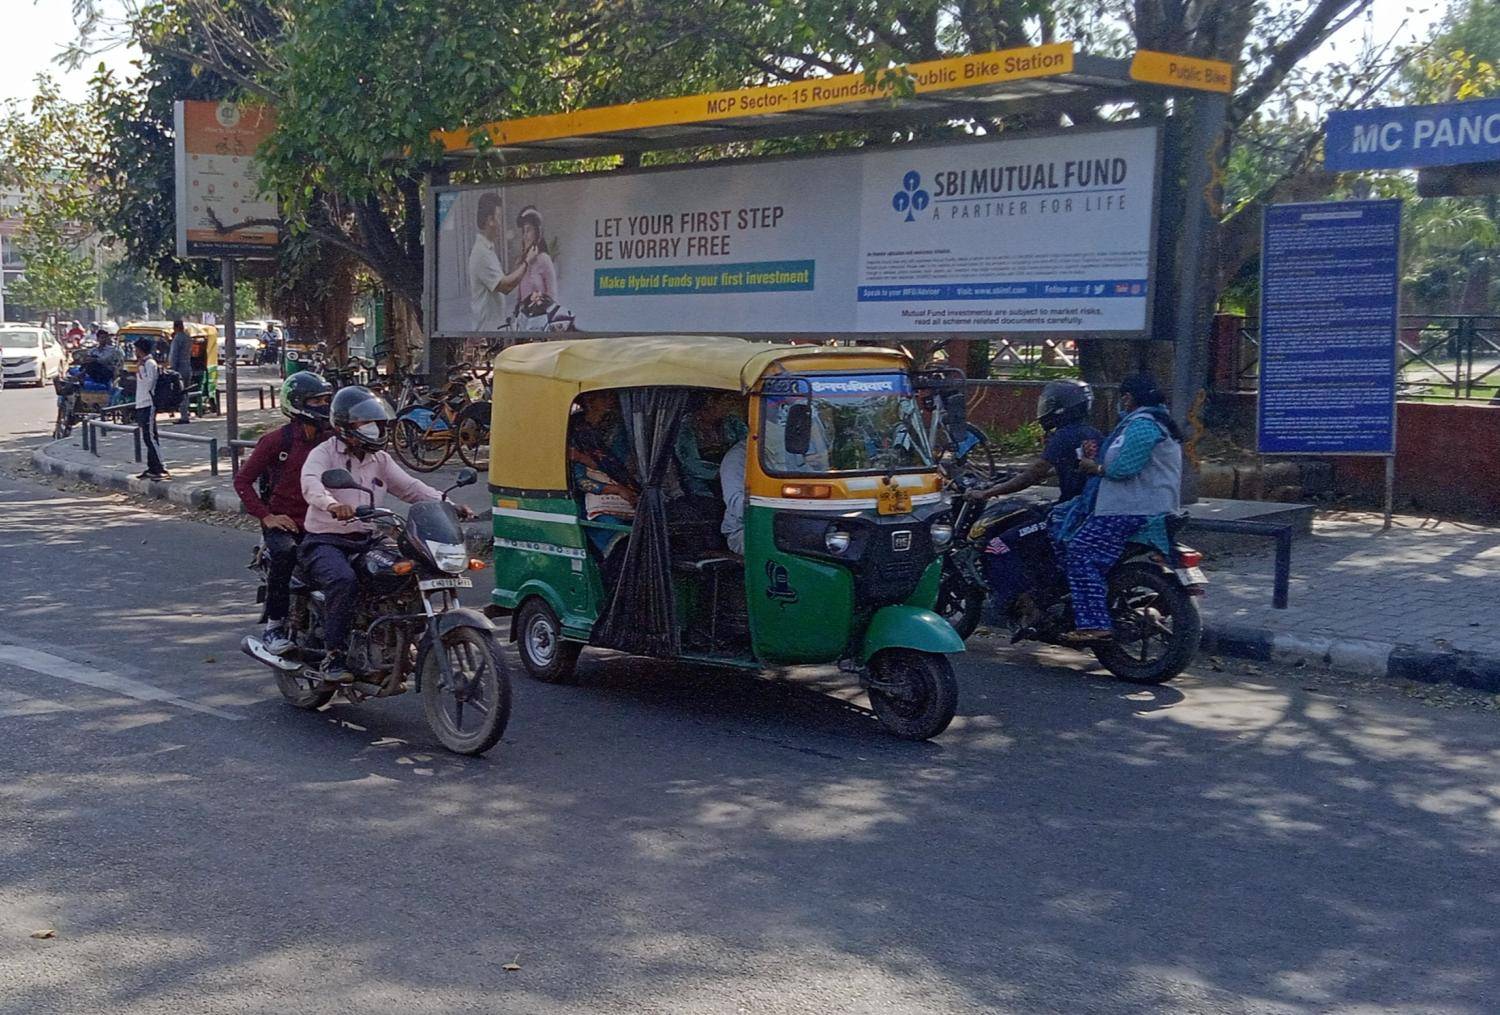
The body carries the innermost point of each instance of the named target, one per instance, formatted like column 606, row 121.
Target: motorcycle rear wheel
column 303, row 693
column 1156, row 623
column 470, row 716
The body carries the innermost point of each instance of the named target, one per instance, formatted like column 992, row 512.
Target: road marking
column 49, row 665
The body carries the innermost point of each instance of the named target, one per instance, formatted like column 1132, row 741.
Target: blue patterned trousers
column 1091, row 552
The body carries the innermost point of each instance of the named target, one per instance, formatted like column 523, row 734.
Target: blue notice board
column 1329, row 286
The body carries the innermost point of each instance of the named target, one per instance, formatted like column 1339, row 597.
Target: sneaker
column 334, row 670
column 276, row 641
column 148, row 474
column 163, row 474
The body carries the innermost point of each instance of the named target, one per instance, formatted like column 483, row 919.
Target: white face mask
column 369, row 431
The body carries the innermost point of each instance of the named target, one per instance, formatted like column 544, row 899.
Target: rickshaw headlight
column 942, row 534
column 836, row 540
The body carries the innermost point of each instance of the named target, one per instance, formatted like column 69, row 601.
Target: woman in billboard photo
column 534, row 281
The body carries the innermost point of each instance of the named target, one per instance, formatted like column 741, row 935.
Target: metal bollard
column 261, row 393
column 213, row 456
column 83, row 434
column 137, row 435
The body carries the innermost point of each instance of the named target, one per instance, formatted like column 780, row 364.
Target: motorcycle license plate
column 1192, row 576
column 428, row 584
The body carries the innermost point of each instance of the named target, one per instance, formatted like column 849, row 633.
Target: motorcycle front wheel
column 1156, row 624
column 960, row 603
column 469, row 713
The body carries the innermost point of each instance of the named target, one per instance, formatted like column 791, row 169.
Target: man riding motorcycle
column 1063, row 410
column 361, row 423
column 277, row 463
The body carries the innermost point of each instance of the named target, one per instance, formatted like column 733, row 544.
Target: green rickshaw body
column 803, row 604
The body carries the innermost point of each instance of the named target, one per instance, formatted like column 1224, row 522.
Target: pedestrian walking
column 146, row 373
column 180, row 359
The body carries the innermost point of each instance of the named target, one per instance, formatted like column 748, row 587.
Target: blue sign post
column 1409, row 137
column 1329, row 288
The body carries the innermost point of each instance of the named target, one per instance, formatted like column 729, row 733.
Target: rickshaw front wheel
column 914, row 694
column 547, row 656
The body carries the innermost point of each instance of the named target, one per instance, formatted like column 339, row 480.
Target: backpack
column 268, row 479
column 168, row 393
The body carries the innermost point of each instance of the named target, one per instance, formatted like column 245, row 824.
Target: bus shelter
column 1076, row 208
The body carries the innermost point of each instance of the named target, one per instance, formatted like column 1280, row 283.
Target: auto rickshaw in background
column 300, row 350
column 203, row 387
column 843, row 515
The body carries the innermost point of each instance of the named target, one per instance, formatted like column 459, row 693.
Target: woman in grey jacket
column 1140, row 483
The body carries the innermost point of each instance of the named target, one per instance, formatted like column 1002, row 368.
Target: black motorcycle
column 408, row 626
column 1156, row 623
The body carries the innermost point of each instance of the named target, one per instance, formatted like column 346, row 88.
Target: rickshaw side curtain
column 641, row 615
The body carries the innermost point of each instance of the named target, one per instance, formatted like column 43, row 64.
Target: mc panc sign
column 1409, row 137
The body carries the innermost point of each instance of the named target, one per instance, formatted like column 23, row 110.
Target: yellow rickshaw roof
column 730, row 364
column 535, row 386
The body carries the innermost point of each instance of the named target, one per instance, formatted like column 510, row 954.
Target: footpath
column 1419, row 602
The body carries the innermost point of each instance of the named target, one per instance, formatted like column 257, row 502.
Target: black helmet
column 1063, row 402
column 361, row 418
column 298, row 393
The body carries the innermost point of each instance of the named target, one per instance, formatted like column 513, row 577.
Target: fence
column 1439, row 356
column 89, row 433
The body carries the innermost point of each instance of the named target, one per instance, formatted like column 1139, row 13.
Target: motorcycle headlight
column 449, row 557
column 941, row 533
column 836, row 540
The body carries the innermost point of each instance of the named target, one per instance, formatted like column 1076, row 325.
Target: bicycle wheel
column 474, row 443
column 420, row 448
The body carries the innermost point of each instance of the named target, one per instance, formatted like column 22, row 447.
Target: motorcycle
column 1156, row 622
column 408, row 625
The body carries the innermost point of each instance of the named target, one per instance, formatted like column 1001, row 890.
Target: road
column 663, row 840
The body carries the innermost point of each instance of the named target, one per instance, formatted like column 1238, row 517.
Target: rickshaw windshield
column 859, row 423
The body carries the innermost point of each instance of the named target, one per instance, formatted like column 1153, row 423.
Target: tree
column 59, row 277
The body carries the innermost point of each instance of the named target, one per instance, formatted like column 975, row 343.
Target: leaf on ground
column 210, row 659
column 514, row 965
column 44, row 935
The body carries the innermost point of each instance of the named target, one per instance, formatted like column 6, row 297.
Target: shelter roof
column 1049, row 78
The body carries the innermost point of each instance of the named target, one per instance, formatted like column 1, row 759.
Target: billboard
column 1043, row 234
column 217, row 186
column 1329, row 294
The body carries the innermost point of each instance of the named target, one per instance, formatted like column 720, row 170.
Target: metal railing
column 1281, row 583
column 90, row 439
column 1447, row 356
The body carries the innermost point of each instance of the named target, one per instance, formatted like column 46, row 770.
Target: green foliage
column 59, row 277
column 1025, row 439
column 197, row 298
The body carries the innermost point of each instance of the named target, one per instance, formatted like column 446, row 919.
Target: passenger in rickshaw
column 599, row 465
column 716, row 426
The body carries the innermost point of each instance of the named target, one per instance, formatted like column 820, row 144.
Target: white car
column 31, row 356
column 247, row 345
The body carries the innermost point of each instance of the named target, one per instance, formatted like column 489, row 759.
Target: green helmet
column 305, row 397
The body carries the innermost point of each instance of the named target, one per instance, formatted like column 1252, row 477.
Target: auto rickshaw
column 203, row 387
column 843, row 516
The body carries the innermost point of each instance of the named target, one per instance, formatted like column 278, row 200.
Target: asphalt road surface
column 660, row 839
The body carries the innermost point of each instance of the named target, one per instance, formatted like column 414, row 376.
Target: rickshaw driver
column 361, row 423
column 732, row 483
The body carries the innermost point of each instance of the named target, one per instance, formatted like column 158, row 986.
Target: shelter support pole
column 231, row 361
column 1194, row 272
column 1390, row 491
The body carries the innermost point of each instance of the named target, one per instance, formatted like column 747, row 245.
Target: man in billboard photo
column 488, row 282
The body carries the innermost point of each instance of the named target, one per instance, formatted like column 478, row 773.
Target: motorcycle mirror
column 339, row 479
column 798, row 434
column 466, row 477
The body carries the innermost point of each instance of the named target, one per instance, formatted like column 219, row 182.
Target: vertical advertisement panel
column 217, row 185
column 1047, row 234
column 1330, row 286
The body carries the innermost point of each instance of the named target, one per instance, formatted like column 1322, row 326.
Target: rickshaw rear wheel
column 547, row 656
column 914, row 694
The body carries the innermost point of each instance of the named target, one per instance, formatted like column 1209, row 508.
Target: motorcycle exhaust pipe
column 253, row 647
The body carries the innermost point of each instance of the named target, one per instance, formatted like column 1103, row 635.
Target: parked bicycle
column 431, row 428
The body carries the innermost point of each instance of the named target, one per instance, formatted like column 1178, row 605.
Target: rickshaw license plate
column 1192, row 576
column 892, row 500
column 428, row 584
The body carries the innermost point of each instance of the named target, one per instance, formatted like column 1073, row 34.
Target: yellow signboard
column 952, row 73
column 1182, row 71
